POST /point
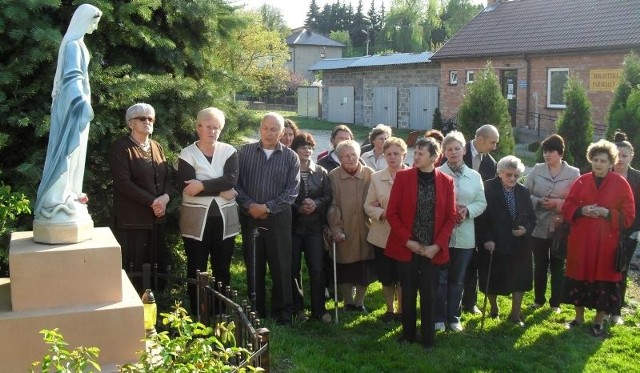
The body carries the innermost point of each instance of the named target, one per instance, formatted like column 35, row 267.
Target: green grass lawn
column 362, row 343
column 359, row 131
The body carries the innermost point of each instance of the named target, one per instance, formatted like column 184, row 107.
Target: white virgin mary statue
column 60, row 198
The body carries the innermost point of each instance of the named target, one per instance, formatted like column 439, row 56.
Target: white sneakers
column 455, row 327
column 616, row 320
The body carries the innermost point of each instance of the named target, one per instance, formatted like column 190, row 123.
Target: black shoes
column 573, row 324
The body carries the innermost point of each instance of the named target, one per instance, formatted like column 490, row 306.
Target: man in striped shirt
column 267, row 186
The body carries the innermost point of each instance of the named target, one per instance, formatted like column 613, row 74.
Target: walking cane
column 254, row 235
column 486, row 290
column 335, row 282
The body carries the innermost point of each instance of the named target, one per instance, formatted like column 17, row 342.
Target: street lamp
column 368, row 38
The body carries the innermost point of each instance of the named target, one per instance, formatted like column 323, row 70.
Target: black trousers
column 470, row 294
column 272, row 247
column 630, row 248
column 140, row 246
column 211, row 249
column 543, row 263
column 419, row 275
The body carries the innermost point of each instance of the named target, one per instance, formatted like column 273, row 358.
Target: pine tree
column 575, row 124
column 624, row 113
column 483, row 103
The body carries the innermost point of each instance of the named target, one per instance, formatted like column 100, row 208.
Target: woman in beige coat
column 395, row 152
column 349, row 225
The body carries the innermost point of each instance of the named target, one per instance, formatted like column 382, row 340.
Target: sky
column 295, row 11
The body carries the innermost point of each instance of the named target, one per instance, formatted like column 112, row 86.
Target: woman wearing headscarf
column 60, row 196
column 548, row 183
column 140, row 191
column 207, row 174
column 505, row 227
column 419, row 237
column 632, row 234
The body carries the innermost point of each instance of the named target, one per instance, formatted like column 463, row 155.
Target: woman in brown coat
column 349, row 225
column 140, row 191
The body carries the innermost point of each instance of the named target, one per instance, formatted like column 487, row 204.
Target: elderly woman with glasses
column 140, row 191
column 505, row 227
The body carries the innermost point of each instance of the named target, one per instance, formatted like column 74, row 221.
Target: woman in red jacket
column 599, row 204
column 419, row 237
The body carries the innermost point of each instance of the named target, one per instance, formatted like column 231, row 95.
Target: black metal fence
column 217, row 306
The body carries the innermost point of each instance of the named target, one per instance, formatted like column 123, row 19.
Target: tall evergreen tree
column 358, row 28
column 483, row 103
column 313, row 16
column 163, row 53
column 624, row 113
column 575, row 123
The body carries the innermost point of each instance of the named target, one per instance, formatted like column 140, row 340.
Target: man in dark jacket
column 477, row 157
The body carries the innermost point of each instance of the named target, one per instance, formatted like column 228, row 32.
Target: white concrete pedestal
column 80, row 289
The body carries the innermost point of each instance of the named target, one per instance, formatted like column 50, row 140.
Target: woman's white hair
column 353, row 144
column 510, row 162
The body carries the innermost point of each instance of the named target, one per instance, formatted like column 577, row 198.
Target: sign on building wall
column 604, row 80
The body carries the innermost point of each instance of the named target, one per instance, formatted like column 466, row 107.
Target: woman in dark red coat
column 419, row 238
column 599, row 204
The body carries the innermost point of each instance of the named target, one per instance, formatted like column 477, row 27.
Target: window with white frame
column 453, row 77
column 556, row 80
column 471, row 76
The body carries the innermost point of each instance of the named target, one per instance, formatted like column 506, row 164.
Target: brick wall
column 535, row 86
column 364, row 80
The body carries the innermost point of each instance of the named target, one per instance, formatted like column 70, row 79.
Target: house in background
column 400, row 90
column 533, row 46
column 307, row 47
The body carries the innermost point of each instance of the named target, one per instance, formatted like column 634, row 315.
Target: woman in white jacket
column 470, row 203
column 207, row 173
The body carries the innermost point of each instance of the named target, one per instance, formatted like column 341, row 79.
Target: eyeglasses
column 512, row 174
column 142, row 119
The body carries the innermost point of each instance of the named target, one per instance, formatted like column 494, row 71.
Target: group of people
column 453, row 222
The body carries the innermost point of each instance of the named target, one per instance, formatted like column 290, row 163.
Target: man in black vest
column 477, row 157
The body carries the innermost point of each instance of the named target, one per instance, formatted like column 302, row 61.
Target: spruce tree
column 437, row 120
column 575, row 124
column 483, row 103
column 162, row 53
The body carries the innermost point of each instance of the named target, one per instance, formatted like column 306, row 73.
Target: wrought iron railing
column 216, row 305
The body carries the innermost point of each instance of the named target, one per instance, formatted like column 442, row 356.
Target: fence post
column 204, row 306
column 146, row 276
column 263, row 335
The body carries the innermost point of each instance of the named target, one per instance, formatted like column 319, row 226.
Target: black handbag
column 621, row 251
column 559, row 240
column 622, row 265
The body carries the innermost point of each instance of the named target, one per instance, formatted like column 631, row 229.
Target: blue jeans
column 451, row 285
